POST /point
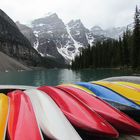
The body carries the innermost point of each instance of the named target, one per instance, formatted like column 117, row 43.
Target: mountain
column 52, row 38
column 15, row 44
column 58, row 39
column 48, row 33
column 58, row 43
column 113, row 33
column 79, row 33
column 49, row 60
column 97, row 30
column 27, row 32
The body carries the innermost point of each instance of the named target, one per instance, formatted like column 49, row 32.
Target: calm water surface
column 57, row 76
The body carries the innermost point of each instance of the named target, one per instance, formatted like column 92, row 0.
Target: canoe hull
column 22, row 118
column 108, row 94
column 80, row 115
column 4, row 113
column 53, row 123
column 118, row 119
column 122, row 90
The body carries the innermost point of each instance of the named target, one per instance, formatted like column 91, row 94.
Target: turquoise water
column 57, row 76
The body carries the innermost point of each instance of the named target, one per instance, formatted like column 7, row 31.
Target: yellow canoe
column 122, row 90
column 129, row 84
column 4, row 110
column 79, row 87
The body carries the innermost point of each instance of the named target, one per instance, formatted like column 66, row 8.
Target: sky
column 105, row 13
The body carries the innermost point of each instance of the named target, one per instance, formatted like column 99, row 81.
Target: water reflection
column 56, row 76
column 98, row 74
column 68, row 76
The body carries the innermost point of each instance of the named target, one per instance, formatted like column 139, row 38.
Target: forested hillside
column 111, row 53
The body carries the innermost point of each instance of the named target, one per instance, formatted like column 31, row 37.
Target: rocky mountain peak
column 96, row 28
column 77, row 23
column 48, row 22
column 59, row 40
column 52, row 15
column 27, row 32
column 114, row 32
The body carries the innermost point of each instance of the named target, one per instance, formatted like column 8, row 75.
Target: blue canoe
column 108, row 95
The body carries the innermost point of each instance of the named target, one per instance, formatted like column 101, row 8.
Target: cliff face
column 27, row 32
column 15, row 44
column 45, row 47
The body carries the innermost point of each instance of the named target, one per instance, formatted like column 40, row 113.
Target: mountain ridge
column 57, row 39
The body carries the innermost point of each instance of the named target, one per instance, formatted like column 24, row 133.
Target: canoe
column 22, row 87
column 109, row 95
column 122, row 90
column 132, row 79
column 79, row 87
column 131, row 111
column 52, row 121
column 4, row 113
column 22, row 124
column 80, row 115
column 116, row 118
column 129, row 85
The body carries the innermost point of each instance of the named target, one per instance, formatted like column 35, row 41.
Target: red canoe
column 80, row 115
column 119, row 120
column 22, row 124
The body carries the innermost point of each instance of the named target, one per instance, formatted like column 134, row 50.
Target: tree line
column 110, row 53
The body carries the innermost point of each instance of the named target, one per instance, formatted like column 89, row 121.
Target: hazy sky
column 105, row 13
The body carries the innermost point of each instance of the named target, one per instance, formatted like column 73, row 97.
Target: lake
column 57, row 76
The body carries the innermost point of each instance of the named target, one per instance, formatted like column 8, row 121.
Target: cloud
column 106, row 13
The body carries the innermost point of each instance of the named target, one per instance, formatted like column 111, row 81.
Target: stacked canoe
column 70, row 111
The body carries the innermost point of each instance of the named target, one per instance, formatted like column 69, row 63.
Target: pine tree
column 136, row 40
column 126, row 48
column 113, row 53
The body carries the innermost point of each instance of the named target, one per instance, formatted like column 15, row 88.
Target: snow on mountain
column 113, row 33
column 97, row 30
column 90, row 38
column 50, row 36
column 76, row 44
column 27, row 32
column 79, row 37
column 48, row 31
column 56, row 38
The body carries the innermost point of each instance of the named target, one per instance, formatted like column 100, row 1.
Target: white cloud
column 105, row 13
